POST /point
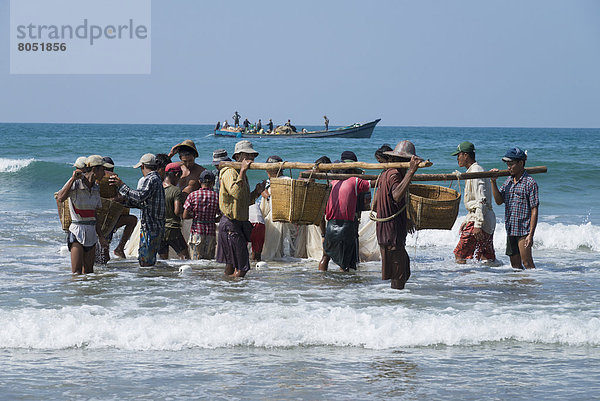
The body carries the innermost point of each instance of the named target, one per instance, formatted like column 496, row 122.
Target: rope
column 373, row 215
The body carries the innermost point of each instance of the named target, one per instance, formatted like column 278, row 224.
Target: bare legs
column 524, row 258
column 129, row 221
column 82, row 262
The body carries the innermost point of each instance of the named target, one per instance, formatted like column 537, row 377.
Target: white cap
column 80, row 162
column 148, row 158
column 97, row 160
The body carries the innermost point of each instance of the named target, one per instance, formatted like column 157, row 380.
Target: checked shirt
column 204, row 205
column 519, row 199
column 150, row 197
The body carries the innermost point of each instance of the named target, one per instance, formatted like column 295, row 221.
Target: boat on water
column 364, row 130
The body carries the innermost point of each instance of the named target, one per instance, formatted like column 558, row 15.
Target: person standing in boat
column 392, row 224
column 258, row 125
column 236, row 119
column 246, row 124
column 270, row 125
column 477, row 230
column 326, row 123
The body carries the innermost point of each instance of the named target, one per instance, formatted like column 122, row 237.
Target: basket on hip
column 298, row 201
column 64, row 213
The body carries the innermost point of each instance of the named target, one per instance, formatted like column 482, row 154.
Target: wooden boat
column 357, row 130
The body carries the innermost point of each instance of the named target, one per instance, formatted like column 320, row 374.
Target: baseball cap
column 274, row 159
column 175, row 167
column 464, row 147
column 207, row 176
column 80, row 162
column 97, row 160
column 514, row 154
column 148, row 158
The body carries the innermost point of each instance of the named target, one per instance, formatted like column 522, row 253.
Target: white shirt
column 81, row 201
column 478, row 201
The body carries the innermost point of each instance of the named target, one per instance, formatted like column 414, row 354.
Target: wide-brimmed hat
column 148, row 159
column 464, row 147
column 244, row 146
column 220, row 155
column 404, row 149
column 97, row 160
column 80, row 162
column 514, row 154
column 188, row 143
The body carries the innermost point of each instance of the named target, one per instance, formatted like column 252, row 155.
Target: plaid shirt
column 519, row 199
column 204, row 205
column 150, row 197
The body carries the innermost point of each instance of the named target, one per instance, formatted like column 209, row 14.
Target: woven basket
column 298, row 201
column 433, row 206
column 108, row 215
column 64, row 213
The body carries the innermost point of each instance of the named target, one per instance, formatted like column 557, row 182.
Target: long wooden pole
column 425, row 177
column 323, row 166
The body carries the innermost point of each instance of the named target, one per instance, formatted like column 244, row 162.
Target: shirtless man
column 190, row 178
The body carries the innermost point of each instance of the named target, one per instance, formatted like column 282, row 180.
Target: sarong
column 232, row 247
column 341, row 243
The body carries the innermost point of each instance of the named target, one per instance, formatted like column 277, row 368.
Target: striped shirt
column 150, row 197
column 519, row 199
column 204, row 206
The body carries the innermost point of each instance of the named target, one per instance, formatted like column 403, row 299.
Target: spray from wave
column 13, row 165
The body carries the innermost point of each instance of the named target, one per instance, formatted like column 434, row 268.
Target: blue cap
column 514, row 154
column 207, row 176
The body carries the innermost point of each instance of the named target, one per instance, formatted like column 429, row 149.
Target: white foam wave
column 570, row 237
column 12, row 165
column 276, row 326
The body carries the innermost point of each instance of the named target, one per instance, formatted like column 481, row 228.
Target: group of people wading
column 171, row 191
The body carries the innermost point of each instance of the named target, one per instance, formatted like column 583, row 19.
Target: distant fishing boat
column 357, row 130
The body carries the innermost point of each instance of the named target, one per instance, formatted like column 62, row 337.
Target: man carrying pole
column 477, row 230
column 519, row 193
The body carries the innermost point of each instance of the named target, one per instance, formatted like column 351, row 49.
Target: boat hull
column 360, row 131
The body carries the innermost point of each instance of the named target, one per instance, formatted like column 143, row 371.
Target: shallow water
column 289, row 331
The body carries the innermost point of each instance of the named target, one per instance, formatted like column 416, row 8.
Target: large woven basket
column 108, row 215
column 433, row 206
column 63, row 212
column 298, row 201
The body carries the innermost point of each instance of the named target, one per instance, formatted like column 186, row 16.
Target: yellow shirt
column 234, row 194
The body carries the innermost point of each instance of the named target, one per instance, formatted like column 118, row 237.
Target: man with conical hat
column 190, row 170
column 235, row 198
column 392, row 220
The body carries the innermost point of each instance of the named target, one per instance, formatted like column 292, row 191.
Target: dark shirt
column 393, row 232
column 172, row 194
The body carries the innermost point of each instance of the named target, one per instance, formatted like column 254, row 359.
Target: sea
column 182, row 330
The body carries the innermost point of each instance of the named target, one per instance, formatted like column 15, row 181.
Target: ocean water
column 288, row 331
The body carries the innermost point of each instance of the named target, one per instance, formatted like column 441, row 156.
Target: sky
column 509, row 63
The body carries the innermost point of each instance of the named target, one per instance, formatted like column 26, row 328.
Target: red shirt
column 342, row 200
column 204, row 205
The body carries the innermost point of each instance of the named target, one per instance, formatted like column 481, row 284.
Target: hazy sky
column 421, row 62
